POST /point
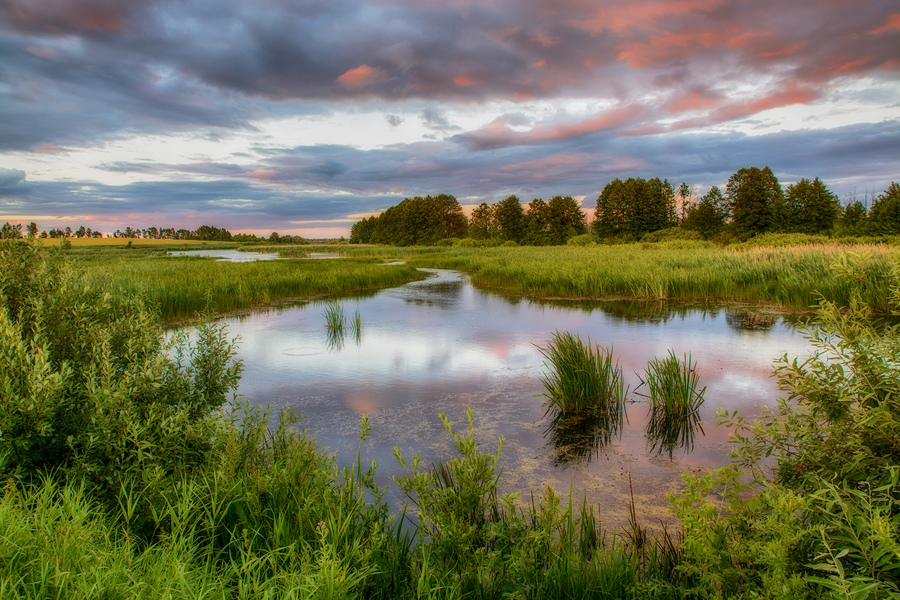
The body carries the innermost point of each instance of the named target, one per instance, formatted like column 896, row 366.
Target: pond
column 228, row 255
column 247, row 256
column 441, row 345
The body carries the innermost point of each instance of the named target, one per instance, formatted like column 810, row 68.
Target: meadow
column 182, row 287
column 130, row 472
column 788, row 277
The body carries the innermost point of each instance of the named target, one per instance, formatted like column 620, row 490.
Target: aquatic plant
column 356, row 326
column 334, row 317
column 580, row 377
column 674, row 402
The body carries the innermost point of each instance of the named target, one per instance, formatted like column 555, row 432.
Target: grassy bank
column 787, row 277
column 181, row 287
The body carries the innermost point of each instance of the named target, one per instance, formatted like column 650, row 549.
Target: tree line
column 753, row 203
column 434, row 218
column 204, row 232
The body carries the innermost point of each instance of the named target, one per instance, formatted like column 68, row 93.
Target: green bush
column 825, row 521
column 89, row 388
column 671, row 234
column 585, row 239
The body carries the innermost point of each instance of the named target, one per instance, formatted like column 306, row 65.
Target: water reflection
column 668, row 431
column 441, row 345
column 228, row 255
column 578, row 436
column 743, row 320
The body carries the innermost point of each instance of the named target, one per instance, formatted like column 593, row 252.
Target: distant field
column 83, row 242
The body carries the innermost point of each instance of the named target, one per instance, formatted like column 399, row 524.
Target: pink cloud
column 67, row 15
column 262, row 174
column 464, row 81
column 548, row 165
column 893, row 22
column 624, row 17
column 695, row 100
column 50, row 149
column 361, row 76
column 498, row 132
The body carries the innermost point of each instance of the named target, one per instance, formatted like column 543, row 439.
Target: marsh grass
column 581, row 377
column 788, row 277
column 334, row 317
column 671, row 389
column 356, row 326
column 180, row 287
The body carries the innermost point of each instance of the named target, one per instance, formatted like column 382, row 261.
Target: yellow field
column 85, row 242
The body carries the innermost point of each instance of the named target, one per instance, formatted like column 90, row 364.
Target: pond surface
column 441, row 345
column 228, row 255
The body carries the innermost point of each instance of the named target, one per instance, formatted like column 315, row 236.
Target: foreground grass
column 129, row 474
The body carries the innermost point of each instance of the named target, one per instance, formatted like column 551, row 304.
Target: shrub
column 89, row 387
column 585, row 239
column 672, row 233
column 826, row 519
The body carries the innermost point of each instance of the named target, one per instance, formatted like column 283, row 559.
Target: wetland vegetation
column 130, row 471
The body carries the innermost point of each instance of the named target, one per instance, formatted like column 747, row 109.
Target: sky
column 304, row 116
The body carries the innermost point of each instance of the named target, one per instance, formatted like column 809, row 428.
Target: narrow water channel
column 441, row 345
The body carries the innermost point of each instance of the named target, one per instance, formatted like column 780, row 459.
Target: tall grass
column 674, row 402
column 334, row 317
column 581, row 377
column 789, row 277
column 182, row 287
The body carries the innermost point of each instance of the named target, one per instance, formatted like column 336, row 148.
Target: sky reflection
column 440, row 345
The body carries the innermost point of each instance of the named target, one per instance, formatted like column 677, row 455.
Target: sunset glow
column 297, row 116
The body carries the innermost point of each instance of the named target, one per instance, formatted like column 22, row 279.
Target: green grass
column 334, row 317
column 580, row 377
column 181, row 287
column 674, row 402
column 789, row 277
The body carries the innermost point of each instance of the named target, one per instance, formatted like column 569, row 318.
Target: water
column 229, row 255
column 238, row 256
column 441, row 345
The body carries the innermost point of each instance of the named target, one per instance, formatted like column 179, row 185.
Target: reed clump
column 334, row 318
column 581, row 377
column 675, row 401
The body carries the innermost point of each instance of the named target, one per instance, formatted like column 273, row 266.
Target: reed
column 674, row 401
column 334, row 317
column 581, row 377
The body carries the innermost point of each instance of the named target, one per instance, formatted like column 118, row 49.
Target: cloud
column 660, row 88
column 10, row 177
column 360, row 77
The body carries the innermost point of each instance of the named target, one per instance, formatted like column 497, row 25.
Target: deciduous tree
column 753, row 195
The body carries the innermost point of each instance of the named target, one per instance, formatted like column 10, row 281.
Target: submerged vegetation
column 130, row 470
